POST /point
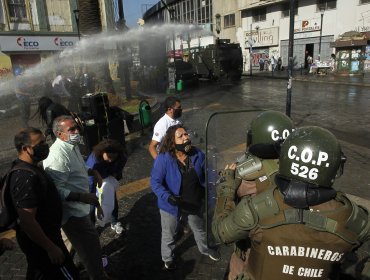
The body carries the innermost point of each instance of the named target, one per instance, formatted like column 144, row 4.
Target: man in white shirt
column 170, row 118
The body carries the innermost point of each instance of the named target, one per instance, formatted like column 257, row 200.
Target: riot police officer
column 255, row 171
column 302, row 228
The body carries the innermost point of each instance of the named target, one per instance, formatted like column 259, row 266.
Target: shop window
column 259, row 14
column 326, row 4
column 364, row 1
column 229, row 20
column 17, row 10
column 285, row 10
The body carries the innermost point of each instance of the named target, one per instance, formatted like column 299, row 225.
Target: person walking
column 39, row 210
column 273, row 63
column 59, row 88
column 303, row 227
column 66, row 167
column 177, row 179
column 261, row 62
column 171, row 117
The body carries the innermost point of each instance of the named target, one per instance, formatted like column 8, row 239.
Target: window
column 326, row 4
column 259, row 15
column 229, row 20
column 285, row 9
column 364, row 2
column 17, row 11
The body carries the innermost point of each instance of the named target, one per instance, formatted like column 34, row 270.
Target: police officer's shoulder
column 359, row 220
column 264, row 204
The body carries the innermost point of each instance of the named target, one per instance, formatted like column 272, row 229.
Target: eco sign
column 27, row 44
column 62, row 43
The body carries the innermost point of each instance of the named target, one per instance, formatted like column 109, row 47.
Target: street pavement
column 135, row 254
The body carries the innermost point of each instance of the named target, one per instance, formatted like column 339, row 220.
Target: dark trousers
column 39, row 264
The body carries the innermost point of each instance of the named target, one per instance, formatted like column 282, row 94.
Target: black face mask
column 177, row 113
column 40, row 152
column 186, row 147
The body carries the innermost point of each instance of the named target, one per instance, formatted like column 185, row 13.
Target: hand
column 56, row 255
column 6, row 244
column 89, row 198
column 99, row 213
column 174, row 200
column 231, row 166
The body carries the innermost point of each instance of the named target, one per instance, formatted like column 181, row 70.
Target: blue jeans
column 169, row 225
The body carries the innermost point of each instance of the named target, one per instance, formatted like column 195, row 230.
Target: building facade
column 34, row 30
column 262, row 27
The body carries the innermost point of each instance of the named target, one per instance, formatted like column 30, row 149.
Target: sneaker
column 117, row 227
column 214, row 255
column 170, row 265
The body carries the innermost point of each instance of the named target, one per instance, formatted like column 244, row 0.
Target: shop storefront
column 26, row 51
column 351, row 53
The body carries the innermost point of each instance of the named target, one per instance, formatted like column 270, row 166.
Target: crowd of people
column 276, row 204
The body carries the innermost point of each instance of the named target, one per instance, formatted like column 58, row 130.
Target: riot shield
column 225, row 142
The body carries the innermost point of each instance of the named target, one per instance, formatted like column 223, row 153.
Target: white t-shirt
column 161, row 127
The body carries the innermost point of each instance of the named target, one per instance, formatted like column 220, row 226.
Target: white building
column 267, row 24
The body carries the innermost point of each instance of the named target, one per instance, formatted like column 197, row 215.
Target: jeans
column 169, row 224
column 85, row 240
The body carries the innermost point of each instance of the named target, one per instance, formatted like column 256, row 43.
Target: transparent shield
column 225, row 142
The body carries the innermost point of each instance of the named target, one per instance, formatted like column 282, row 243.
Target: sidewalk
column 304, row 76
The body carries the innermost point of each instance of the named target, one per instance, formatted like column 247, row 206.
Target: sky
column 134, row 9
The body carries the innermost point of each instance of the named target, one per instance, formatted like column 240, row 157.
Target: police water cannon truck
column 218, row 61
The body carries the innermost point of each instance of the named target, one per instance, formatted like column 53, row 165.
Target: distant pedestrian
column 59, row 88
column 267, row 63
column 261, row 62
column 177, row 179
column 309, row 62
column 279, row 63
column 171, row 117
column 273, row 64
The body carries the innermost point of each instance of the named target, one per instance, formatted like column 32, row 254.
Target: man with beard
column 39, row 210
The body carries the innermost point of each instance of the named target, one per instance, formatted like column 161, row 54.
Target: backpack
column 8, row 213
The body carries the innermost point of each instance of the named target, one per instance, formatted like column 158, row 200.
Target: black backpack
column 8, row 213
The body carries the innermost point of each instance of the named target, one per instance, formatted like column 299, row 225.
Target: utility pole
column 290, row 59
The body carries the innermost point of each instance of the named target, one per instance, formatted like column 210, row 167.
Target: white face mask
column 74, row 139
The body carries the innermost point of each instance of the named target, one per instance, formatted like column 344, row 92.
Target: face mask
column 40, row 152
column 74, row 139
column 177, row 113
column 186, row 147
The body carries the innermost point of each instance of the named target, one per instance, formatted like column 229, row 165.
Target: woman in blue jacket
column 177, row 179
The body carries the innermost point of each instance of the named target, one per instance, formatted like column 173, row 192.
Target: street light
column 322, row 10
column 251, row 42
column 77, row 18
column 218, row 23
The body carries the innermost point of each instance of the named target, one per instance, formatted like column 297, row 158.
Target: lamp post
column 290, row 59
column 322, row 10
column 77, row 18
column 218, row 24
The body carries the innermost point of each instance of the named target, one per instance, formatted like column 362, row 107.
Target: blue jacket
column 166, row 177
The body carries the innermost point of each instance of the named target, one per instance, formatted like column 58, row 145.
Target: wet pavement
column 135, row 254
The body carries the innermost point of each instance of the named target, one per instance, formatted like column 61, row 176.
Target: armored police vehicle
column 220, row 60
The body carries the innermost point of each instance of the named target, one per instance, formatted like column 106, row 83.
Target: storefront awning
column 348, row 43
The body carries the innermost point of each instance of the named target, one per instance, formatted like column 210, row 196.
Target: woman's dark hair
column 168, row 143
column 107, row 146
column 44, row 103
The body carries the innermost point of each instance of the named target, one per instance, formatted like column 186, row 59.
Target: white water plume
column 96, row 49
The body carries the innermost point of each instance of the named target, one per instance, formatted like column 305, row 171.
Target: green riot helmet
column 266, row 133
column 308, row 164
